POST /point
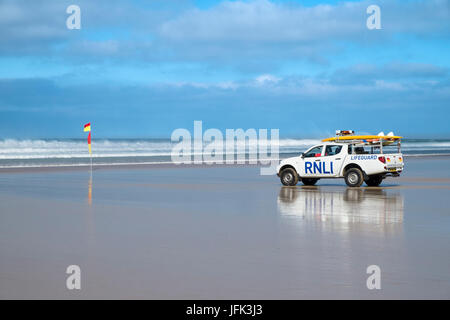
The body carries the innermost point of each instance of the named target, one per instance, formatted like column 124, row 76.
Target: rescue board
column 364, row 138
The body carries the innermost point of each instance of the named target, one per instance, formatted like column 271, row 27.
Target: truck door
column 311, row 162
column 332, row 160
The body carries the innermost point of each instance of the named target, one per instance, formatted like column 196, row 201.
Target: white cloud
column 261, row 29
column 239, row 32
column 261, row 20
column 265, row 21
column 267, row 78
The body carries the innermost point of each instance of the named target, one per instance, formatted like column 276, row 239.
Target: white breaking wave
column 12, row 149
column 428, row 145
column 66, row 149
column 44, row 149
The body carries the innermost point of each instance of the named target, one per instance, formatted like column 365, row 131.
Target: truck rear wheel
column 309, row 181
column 374, row 180
column 354, row 177
column 289, row 177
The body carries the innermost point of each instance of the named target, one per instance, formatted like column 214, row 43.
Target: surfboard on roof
column 349, row 136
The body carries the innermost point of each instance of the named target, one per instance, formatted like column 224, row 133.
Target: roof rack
column 380, row 140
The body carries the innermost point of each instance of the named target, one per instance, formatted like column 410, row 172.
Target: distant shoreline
column 153, row 165
column 148, row 165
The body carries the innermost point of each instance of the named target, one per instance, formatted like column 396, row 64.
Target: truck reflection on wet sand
column 372, row 210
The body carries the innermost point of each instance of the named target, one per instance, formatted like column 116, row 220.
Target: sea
column 17, row 153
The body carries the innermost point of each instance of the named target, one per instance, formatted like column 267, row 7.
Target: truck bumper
column 393, row 170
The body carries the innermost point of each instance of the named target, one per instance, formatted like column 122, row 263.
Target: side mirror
column 302, row 155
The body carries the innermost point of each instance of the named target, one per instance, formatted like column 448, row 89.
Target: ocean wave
column 44, row 149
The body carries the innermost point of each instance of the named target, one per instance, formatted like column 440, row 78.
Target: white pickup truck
column 355, row 161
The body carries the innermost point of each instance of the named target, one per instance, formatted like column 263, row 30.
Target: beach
column 222, row 232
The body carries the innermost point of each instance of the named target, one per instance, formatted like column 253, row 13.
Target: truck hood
column 285, row 161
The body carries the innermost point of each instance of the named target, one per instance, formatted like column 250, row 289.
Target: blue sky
column 145, row 68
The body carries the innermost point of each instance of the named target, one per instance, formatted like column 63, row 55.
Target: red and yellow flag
column 87, row 128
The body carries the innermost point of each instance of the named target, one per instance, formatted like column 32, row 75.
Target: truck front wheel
column 289, row 177
column 374, row 180
column 354, row 177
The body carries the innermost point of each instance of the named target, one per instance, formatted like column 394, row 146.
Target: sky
column 140, row 69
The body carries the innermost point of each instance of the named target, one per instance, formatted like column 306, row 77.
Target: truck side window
column 314, row 152
column 332, row 150
column 360, row 150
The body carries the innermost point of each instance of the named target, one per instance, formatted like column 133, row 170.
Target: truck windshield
column 314, row 152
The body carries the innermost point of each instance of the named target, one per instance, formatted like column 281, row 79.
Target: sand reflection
column 90, row 191
column 366, row 209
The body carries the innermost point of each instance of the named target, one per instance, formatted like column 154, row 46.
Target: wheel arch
column 354, row 165
column 288, row 166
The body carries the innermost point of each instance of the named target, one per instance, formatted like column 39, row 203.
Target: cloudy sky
column 145, row 68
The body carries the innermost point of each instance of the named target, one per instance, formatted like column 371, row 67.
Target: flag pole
column 90, row 150
column 89, row 146
column 87, row 128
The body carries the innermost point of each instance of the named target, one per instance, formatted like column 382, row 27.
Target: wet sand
column 222, row 233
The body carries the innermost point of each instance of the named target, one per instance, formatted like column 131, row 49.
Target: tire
column 374, row 181
column 289, row 177
column 354, row 177
column 309, row 181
